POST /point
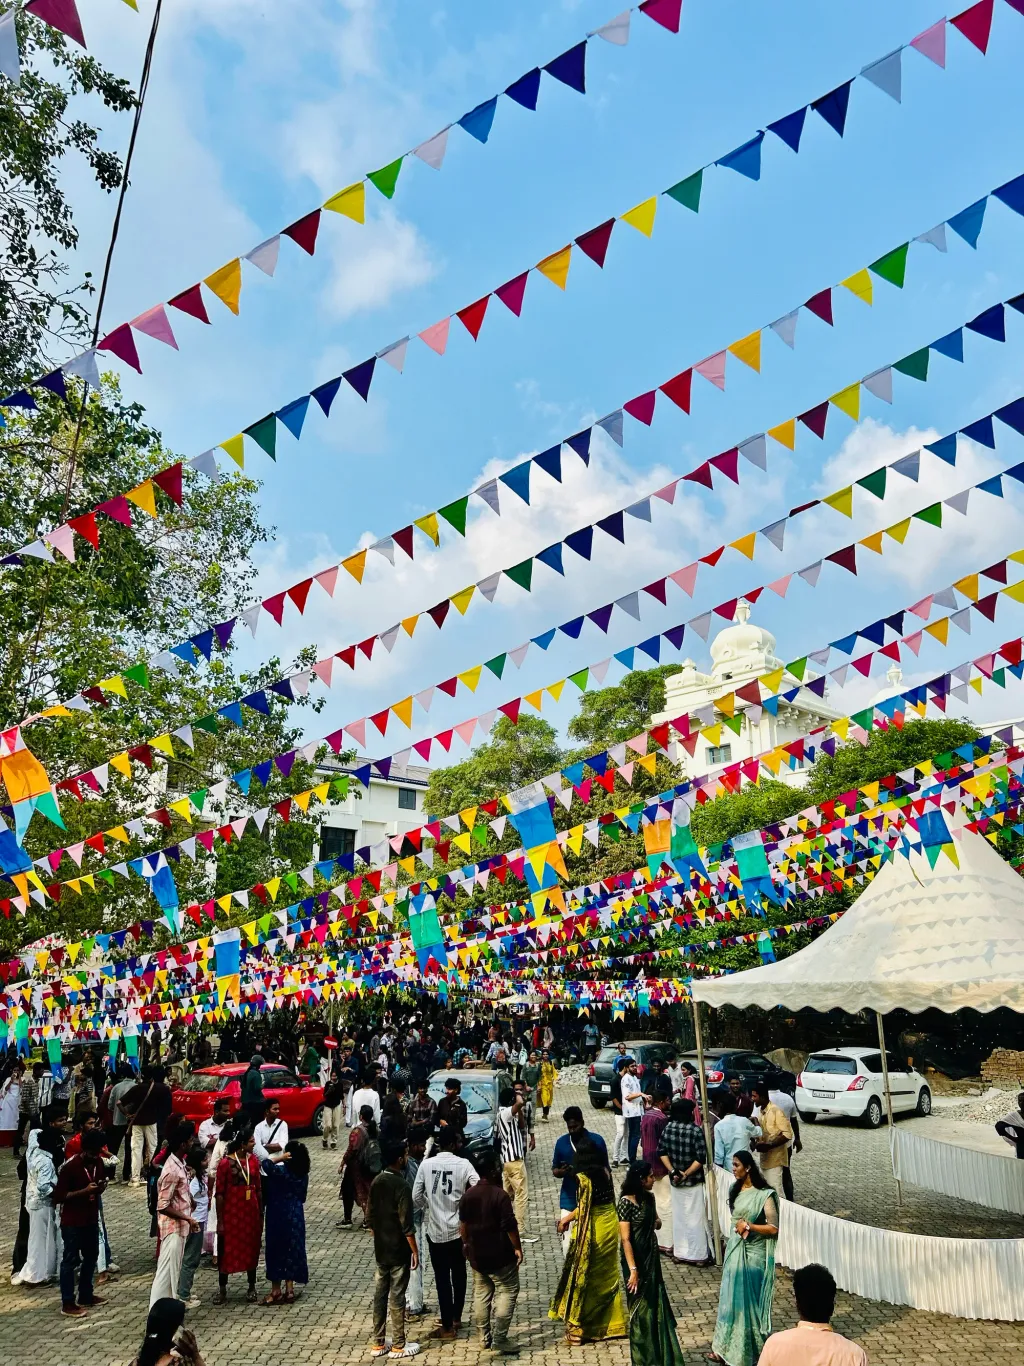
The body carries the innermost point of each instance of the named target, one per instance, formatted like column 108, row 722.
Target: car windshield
column 479, row 1101
column 198, row 1082
column 608, row 1055
column 825, row 1062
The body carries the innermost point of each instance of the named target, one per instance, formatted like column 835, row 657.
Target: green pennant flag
column 455, row 514
column 480, row 833
column 106, row 875
column 264, row 433
column 265, row 922
column 892, row 266
column 522, row 574
column 687, row 192
column 580, row 679
column 496, row 665
column 798, row 668
column 46, row 805
column 339, row 787
column 999, row 677
column 735, row 723
column 207, row 723
column 198, row 798
column 386, row 178
column 931, row 515
column 863, row 718
column 292, row 879
column 614, row 832
column 915, row 365
column 875, row 482
column 138, row 674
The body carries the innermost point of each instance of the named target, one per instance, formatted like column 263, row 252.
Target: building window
column 407, row 799
column 719, row 754
column 335, row 841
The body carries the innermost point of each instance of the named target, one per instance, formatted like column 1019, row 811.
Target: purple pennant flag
column 601, row 617
column 285, row 762
column 223, row 632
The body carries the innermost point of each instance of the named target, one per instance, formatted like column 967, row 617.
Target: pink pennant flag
column 923, row 608
column 323, row 669
column 668, row 493
column 327, row 578
column 713, row 369
column 685, row 579
column 465, row 730
column 932, row 43
column 357, row 730
column 781, row 586
column 436, row 337
column 914, row 642
column 122, row 344
column 155, row 323
column 62, row 538
column 59, row 14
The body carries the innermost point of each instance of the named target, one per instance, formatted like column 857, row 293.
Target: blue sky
column 257, row 112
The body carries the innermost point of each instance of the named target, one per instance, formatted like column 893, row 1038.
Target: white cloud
column 390, row 258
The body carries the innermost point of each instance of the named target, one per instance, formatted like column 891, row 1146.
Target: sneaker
column 381, row 1351
column 343, row 1223
column 504, row 1349
column 73, row 1311
column 91, row 1304
column 113, row 1269
column 527, row 1238
column 411, row 1349
column 193, row 1302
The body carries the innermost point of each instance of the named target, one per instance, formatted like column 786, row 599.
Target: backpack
column 372, row 1160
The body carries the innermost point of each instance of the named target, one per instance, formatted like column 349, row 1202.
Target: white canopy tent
column 918, row 937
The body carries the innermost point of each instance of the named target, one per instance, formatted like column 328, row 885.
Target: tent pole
column 708, row 1137
column 888, row 1096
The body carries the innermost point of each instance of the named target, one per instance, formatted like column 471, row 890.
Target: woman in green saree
column 748, row 1275
column 589, row 1297
column 652, row 1325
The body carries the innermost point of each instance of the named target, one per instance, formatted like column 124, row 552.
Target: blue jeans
column 190, row 1262
column 632, row 1136
column 79, row 1243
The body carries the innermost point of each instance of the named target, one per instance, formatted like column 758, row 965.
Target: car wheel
column 873, row 1114
column 924, row 1101
column 807, row 1116
column 317, row 1122
column 597, row 1102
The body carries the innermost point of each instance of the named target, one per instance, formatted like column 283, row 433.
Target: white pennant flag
column 615, row 31
column 432, row 151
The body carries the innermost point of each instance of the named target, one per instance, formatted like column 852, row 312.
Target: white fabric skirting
column 689, row 1224
column 971, row 1278
column 663, row 1205
column 982, row 1178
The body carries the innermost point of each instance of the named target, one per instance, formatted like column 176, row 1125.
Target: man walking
column 776, row 1136
column 365, row 1094
column 80, row 1183
column 147, row 1105
column 632, row 1107
column 441, row 1182
column 394, row 1250
column 174, row 1219
column 333, row 1096
column 490, row 1237
column 513, row 1156
column 562, row 1159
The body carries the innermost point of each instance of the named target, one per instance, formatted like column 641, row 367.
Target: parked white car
column 849, row 1081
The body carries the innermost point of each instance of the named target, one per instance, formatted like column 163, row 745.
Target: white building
column 389, row 806
column 739, row 654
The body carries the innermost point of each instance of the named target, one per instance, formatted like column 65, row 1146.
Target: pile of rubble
column 573, row 1074
column 985, row 1108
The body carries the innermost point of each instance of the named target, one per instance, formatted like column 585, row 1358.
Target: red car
column 302, row 1103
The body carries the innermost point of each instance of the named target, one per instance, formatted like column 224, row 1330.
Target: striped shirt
column 441, row 1182
column 510, row 1134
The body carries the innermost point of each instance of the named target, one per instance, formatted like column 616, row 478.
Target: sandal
column 221, row 1297
column 251, row 1296
column 275, row 1297
column 288, row 1297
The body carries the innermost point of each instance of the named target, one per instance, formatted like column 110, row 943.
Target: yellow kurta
column 546, row 1085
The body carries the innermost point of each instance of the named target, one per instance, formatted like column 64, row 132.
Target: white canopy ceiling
column 917, row 937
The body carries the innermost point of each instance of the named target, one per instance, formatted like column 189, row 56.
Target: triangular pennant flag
column 478, row 121
column 616, row 30
column 156, row 324
column 511, row 294
column 932, row 43
column 436, row 336
column 432, row 151
column 664, row 12
column 687, row 192
column 642, row 217
column 386, row 179
column 887, row 74
column 968, row 222
column 571, row 68
column 556, row 266
column 226, row 283
column 595, row 242
column 303, row 232
column 834, row 106
column 748, row 350
column 351, row 202
column 745, row 159
column 976, row 24
column 525, row 91
column 265, row 256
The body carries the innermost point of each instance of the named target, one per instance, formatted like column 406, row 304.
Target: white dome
column 743, row 648
column 894, row 678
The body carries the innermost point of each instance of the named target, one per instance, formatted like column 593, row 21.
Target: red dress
column 239, row 1214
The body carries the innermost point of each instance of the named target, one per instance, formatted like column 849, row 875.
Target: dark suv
column 722, row 1064
column 481, row 1090
column 599, row 1083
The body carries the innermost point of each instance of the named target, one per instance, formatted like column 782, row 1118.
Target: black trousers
column 449, row 1263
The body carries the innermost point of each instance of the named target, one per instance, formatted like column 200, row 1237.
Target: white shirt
column 440, row 1184
column 785, row 1103
column 676, row 1076
column 266, row 1131
column 365, row 1096
column 632, row 1104
column 209, row 1133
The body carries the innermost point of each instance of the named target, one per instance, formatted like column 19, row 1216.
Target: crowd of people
column 427, row 1187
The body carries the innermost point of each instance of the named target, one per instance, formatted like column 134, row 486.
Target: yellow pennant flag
column 726, row 705
column 642, row 217
column 785, row 434
column 939, row 630
column 123, row 764
column 428, row 525
column 462, row 841
column 556, row 266
column 713, row 734
column 409, row 625
column 647, row 763
column 471, row 677
column 301, row 799
column 118, row 832
column 534, row 698
column 115, row 684
column 860, row 284
column 556, row 689
column 873, row 542
column 163, row 744
column 841, row 727
column 226, row 283
column 235, row 447
column 745, row 545
column 842, row 501
column 574, row 839
column 748, row 350
column 848, row 401
column 182, row 808
column 351, row 202
column 968, row 585
column 403, row 710
column 975, row 683
column 144, row 497
column 273, row 887
column 462, row 599
column 899, row 531
column 355, row 565
column 468, row 816
column 772, row 681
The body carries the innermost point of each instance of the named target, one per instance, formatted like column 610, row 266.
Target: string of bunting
column 569, row 69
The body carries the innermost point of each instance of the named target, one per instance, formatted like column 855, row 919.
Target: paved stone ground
column 843, row 1170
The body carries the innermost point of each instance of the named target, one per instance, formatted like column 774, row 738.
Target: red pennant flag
column 422, row 748
column 347, row 656
column 511, row 709
column 974, row 23
column 815, row 419
column 304, row 231
column 606, row 780
column 996, row 572
column 284, row 809
column 275, row 606
column 191, row 301
column 821, row 305
column 714, row 556
column 381, row 719
column 1012, row 651
column 86, row 527
column 118, row 509
column 728, row 463
column 750, row 692
column 163, row 817
column 678, row 389
column 659, row 734
column 642, row 407
column 701, row 475
column 299, row 592
column 437, row 614
column 472, row 318
column 170, row 481
column 664, row 12
column 891, row 651
column 845, row 558
column 444, row 739
column 726, row 609
column 142, row 754
column 366, row 646
column 59, row 14
column 403, row 539
column 511, row 293
column 122, row 344
column 595, row 242
column 97, row 842
column 657, row 590
column 863, row 665
column 987, row 606
column 449, row 686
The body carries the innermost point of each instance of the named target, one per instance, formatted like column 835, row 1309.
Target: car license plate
column 824, row 1095
column 606, row 1088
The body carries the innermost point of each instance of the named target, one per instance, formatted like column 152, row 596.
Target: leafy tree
column 887, row 751
column 610, row 715
column 512, row 757
column 751, row 808
column 37, row 305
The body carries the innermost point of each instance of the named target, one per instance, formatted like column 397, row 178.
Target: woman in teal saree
column 652, row 1325
column 748, row 1275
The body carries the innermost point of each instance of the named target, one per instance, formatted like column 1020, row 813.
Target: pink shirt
column 172, row 1193
column 811, row 1344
